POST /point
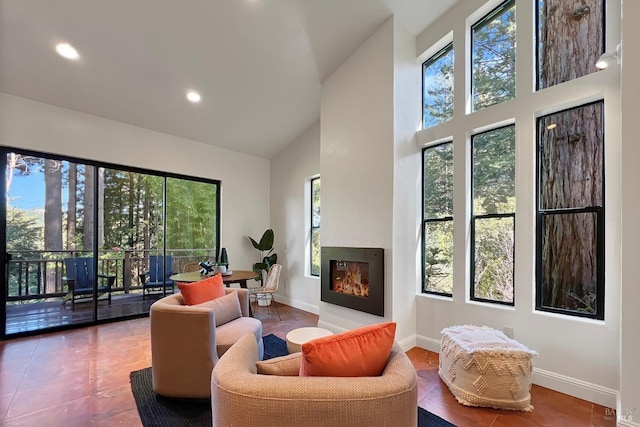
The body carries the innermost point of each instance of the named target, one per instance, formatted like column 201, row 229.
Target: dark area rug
column 274, row 347
column 427, row 419
column 156, row 411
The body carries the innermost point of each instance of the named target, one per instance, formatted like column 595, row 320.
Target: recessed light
column 193, row 96
column 552, row 126
column 67, row 51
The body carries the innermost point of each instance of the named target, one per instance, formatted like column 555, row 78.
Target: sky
column 27, row 192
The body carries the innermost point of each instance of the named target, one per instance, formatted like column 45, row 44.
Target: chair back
column 273, row 278
column 190, row 266
column 81, row 271
column 156, row 270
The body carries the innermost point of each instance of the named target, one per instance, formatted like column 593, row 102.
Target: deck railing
column 38, row 275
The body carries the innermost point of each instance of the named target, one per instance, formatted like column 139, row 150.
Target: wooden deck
column 28, row 317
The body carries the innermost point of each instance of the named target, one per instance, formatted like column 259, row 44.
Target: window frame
column 313, row 229
column 95, row 319
column 473, row 218
column 600, row 227
column 425, row 221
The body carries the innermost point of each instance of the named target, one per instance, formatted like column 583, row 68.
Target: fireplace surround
column 353, row 278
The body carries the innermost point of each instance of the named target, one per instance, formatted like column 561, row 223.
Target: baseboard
column 427, row 343
column 330, row 326
column 300, row 305
column 625, row 423
column 408, row 343
column 572, row 386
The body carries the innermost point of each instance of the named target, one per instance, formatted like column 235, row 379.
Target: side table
column 299, row 336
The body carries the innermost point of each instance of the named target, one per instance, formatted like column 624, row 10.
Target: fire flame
column 351, row 282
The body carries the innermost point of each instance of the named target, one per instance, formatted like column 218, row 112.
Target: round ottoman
column 483, row 367
column 299, row 336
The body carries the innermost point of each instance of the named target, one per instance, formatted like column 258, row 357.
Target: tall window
column 570, row 38
column 494, row 57
column 437, row 88
column 315, row 227
column 493, row 215
column 437, row 229
column 570, row 218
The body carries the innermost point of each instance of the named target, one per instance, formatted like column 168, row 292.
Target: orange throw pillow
column 361, row 352
column 202, row 291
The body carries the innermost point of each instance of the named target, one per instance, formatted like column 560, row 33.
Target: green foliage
column 438, row 181
column 494, row 170
column 438, row 204
column 266, row 259
column 191, row 214
column 494, row 59
column 439, row 257
column 494, row 259
column 493, row 164
column 23, row 231
column 315, row 226
column 134, row 212
column 315, row 253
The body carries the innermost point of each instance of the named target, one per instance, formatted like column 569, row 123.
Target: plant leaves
column 266, row 242
column 270, row 260
column 255, row 244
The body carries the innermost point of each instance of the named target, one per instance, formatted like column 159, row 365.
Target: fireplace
column 353, row 278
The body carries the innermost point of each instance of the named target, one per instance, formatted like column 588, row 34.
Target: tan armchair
column 186, row 343
column 242, row 398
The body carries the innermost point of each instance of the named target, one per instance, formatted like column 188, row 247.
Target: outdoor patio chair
column 157, row 277
column 81, row 278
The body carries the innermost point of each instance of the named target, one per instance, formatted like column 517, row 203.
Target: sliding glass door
column 84, row 242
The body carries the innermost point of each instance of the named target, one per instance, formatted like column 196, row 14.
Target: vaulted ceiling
column 258, row 64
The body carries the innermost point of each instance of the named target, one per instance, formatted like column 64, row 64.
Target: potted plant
column 267, row 258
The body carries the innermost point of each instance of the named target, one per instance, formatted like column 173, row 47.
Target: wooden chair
column 81, row 278
column 270, row 287
column 191, row 266
column 158, row 275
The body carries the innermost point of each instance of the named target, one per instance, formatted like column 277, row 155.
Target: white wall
column 407, row 202
column 245, row 179
column 629, row 405
column 290, row 170
column 577, row 356
column 356, row 163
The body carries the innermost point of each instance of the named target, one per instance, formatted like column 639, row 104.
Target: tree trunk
column 571, row 156
column 53, row 206
column 100, row 217
column 147, row 217
column 52, row 214
column 71, row 207
column 571, row 39
column 87, row 222
column 131, row 208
